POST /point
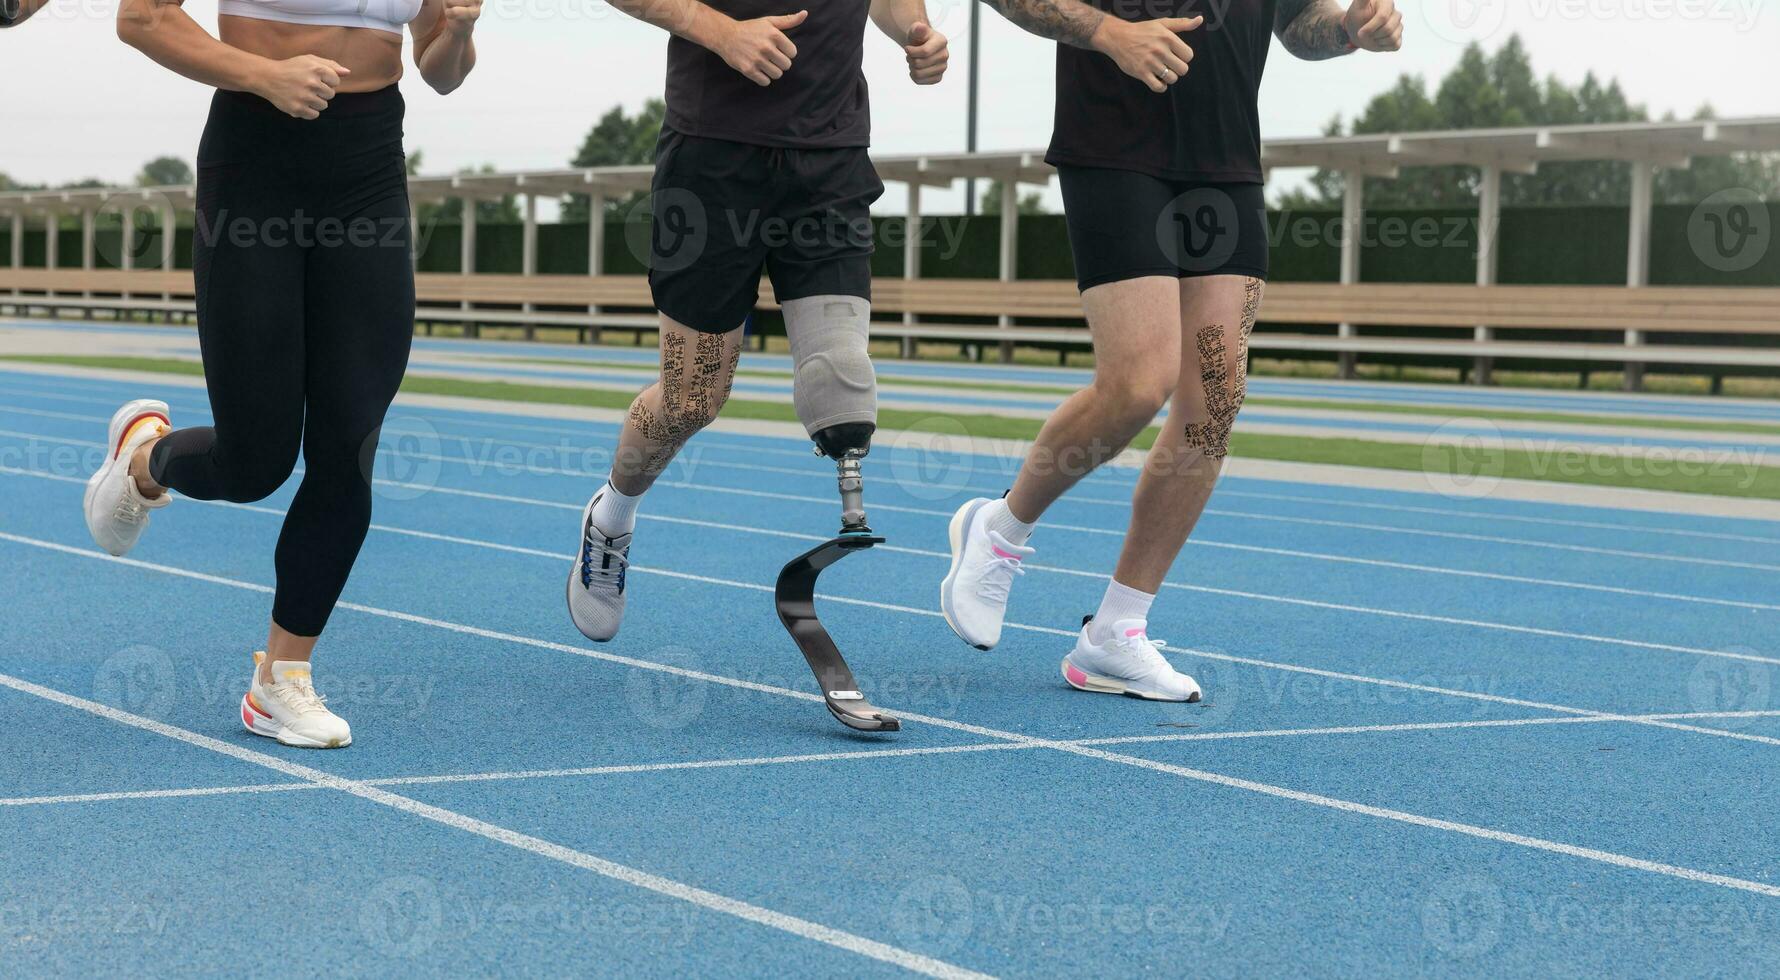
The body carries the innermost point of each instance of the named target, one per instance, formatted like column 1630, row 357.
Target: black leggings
column 305, row 296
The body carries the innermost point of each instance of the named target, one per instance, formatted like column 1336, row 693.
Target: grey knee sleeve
column 834, row 382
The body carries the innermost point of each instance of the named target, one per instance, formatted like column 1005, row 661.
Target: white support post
column 1637, row 266
column 1489, row 219
column 1010, row 242
column 89, row 240
column 18, row 245
column 911, row 263
column 1353, row 219
column 52, row 221
column 127, row 243
column 169, row 231
column 528, row 252
column 466, row 263
column 596, row 249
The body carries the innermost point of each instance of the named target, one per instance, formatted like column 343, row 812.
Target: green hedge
column 1539, row 245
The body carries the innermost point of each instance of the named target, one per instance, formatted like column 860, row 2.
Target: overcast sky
column 78, row 103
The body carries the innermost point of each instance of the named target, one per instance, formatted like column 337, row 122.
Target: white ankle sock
column 997, row 518
column 1121, row 602
column 615, row 513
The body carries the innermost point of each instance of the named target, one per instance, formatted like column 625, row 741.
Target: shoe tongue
column 284, row 671
column 1007, row 549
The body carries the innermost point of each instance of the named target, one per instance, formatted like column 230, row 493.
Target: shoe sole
column 1081, row 680
column 575, row 575
column 265, row 727
column 955, row 533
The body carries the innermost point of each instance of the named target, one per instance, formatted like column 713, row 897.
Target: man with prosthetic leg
column 762, row 166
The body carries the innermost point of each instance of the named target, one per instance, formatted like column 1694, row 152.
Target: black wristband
column 9, row 12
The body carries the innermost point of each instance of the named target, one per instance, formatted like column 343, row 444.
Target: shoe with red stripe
column 116, row 510
column 289, row 710
column 1127, row 662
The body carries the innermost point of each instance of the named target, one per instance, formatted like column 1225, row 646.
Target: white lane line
column 525, row 774
column 642, row 879
column 1125, row 483
column 1435, row 823
column 154, row 794
column 690, row 461
column 1529, row 630
column 617, row 871
column 1083, row 573
column 1492, row 516
column 1421, row 726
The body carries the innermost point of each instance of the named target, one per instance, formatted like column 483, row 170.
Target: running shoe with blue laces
column 597, row 581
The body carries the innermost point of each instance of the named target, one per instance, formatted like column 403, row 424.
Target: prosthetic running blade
column 795, row 597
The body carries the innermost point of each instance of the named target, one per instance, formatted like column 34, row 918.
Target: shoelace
column 611, row 562
column 1147, row 650
column 129, row 510
column 998, row 578
column 298, row 694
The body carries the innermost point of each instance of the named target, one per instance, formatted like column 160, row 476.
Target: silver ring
column 1168, row 75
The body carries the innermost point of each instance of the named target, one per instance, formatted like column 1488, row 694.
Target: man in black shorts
column 762, row 164
column 1160, row 168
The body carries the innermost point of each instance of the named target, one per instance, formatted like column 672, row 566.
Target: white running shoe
column 973, row 594
column 596, row 582
column 289, row 710
column 117, row 512
column 1130, row 663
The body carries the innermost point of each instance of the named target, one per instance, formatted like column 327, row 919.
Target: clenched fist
column 301, row 86
column 1374, row 25
column 1150, row 51
column 758, row 48
column 461, row 15
column 927, row 54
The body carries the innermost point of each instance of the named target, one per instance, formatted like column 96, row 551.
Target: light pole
column 970, row 123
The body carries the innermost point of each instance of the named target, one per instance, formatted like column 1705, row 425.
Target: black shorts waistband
column 387, row 99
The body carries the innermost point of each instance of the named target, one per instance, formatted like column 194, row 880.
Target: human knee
column 255, row 476
column 1136, row 392
column 834, row 385
column 695, row 382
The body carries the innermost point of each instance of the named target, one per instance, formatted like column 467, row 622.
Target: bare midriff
column 373, row 57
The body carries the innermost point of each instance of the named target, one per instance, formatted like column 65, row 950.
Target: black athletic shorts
column 1125, row 225
column 722, row 211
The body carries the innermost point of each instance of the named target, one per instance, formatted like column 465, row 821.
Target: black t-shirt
column 820, row 102
column 1205, row 127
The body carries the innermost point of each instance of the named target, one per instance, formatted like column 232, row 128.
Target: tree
column 618, row 139
column 1032, row 202
column 165, row 172
column 1502, row 90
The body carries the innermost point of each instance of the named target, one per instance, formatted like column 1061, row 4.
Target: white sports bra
column 377, row 15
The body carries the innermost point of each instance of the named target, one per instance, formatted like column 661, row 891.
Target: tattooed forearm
column 1311, row 29
column 1069, row 21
